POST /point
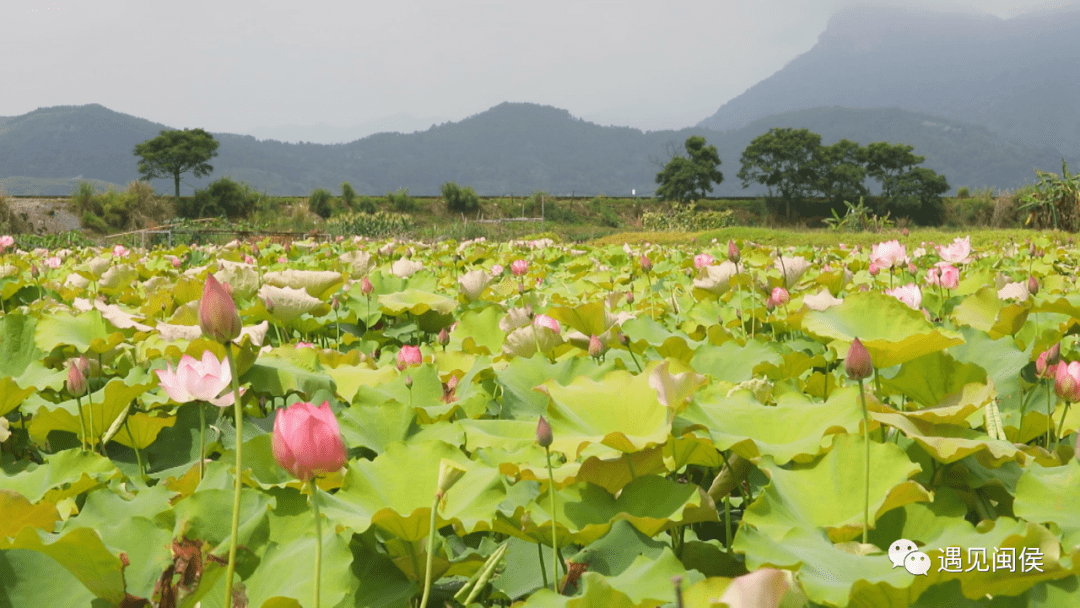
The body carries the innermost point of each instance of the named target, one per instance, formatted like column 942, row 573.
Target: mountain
column 323, row 133
column 513, row 148
column 1013, row 76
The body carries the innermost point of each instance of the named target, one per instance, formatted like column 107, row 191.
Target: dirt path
column 46, row 216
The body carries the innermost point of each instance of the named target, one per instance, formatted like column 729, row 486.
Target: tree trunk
column 176, row 180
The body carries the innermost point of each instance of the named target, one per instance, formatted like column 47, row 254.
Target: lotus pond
column 710, row 434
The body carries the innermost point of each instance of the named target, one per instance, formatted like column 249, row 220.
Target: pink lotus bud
column 1046, row 364
column 780, row 296
column 629, row 297
column 548, row 322
column 409, row 356
column 444, row 337
column 875, row 269
column 218, row 316
column 76, row 379
column 1067, row 382
column 249, row 260
column 858, row 363
column 1033, row 285
column 176, row 262
column 646, row 263
column 950, row 277
column 408, row 380
column 596, row 348
column 519, row 267
column 366, row 287
column 34, row 272
column 733, row 252
column 543, row 433
column 307, row 440
column 912, row 269
column 255, row 249
column 335, row 303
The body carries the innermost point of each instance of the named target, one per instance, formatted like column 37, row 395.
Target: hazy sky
column 234, row 65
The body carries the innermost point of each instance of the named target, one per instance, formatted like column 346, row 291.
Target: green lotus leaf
column 948, row 443
column 644, row 332
column 1046, row 495
column 20, row 513
column 742, row 424
column 142, row 429
column 647, row 581
column 478, row 332
column 349, row 379
column 86, row 332
column 25, row 569
column 590, row 319
column 377, row 492
column 979, row 310
column 1002, row 359
column 929, row 379
column 829, row 492
column 892, row 331
column 277, row 376
column 242, row 278
column 289, row 304
column 734, row 362
column 66, row 473
column 319, row 284
column 293, row 545
column 377, row 426
column 11, row 396
column 81, row 552
column 416, row 302
column 200, row 515
column 104, row 406
column 827, row 573
column 652, row 504
column 584, row 412
column 674, row 389
column 117, row 277
column 613, row 474
column 517, row 379
column 595, row 592
column 17, row 348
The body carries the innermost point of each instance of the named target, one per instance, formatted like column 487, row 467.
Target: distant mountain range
column 1017, row 77
column 509, row 149
column 984, row 100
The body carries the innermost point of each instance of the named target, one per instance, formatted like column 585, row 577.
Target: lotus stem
column 866, row 460
column 90, row 411
column 727, row 523
column 1049, row 415
column 1061, row 426
column 239, row 415
column 430, row 551
column 489, row 568
column 138, row 452
column 543, row 569
column 82, row 423
column 630, row 464
column 202, row 439
column 554, row 538
column 318, row 539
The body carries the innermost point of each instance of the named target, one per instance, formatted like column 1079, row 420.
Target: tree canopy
column 781, row 160
column 690, row 177
column 174, row 152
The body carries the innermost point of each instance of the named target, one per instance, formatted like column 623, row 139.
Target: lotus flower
column 778, row 297
column 944, row 275
column 218, row 316
column 646, row 263
column 1046, row 365
column 548, row 322
column 53, row 262
column 519, row 267
column 120, row 251
column 497, row 270
column 198, row 380
column 959, row 252
column 1067, row 381
column 366, row 287
column 6, row 241
column 909, row 294
column 409, row 356
column 307, row 440
column 702, row 260
column 889, row 254
column 732, row 252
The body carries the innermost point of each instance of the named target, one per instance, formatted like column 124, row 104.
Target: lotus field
column 388, row 423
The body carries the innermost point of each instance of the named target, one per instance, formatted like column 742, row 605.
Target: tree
column 319, row 203
column 886, row 162
column 688, row 178
column 175, row 152
column 781, row 160
column 839, row 171
column 917, row 194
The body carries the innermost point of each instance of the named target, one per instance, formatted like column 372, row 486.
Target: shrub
column 83, row 198
column 319, row 203
column 348, row 195
column 685, row 218
column 223, row 198
column 366, row 204
column 380, row 224
column 458, row 199
column 963, row 192
column 10, row 222
column 401, row 201
column 138, row 206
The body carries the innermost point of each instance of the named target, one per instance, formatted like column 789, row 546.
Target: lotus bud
column 34, row 272
column 912, row 269
column 519, row 267
column 255, row 249
column 858, row 363
column 449, row 474
column 646, row 263
column 596, row 348
column 408, row 381
column 218, row 316
column 543, row 433
column 76, row 380
column 629, row 297
column 366, row 287
column 335, row 303
column 443, row 337
column 176, row 262
column 1033, row 285
column 733, row 252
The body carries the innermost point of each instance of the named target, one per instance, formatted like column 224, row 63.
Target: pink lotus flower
column 950, row 277
column 702, row 260
column 519, row 267
column 6, row 241
column 548, row 322
column 1067, row 381
column 778, row 297
column 958, row 252
column 1046, row 365
column 909, row 294
column 304, row 345
column 120, row 251
column 646, row 263
column 366, row 287
column 218, row 316
column 889, row 254
column 199, row 380
column 53, row 262
column 248, row 259
column 497, row 270
column 307, row 440
column 176, row 262
column 409, row 356
column 282, row 260
column 875, row 269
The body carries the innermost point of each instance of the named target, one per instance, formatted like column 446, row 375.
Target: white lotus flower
column 473, row 283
